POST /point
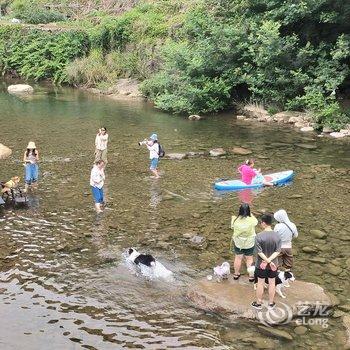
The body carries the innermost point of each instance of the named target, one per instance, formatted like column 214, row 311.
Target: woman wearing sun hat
column 153, row 147
column 31, row 158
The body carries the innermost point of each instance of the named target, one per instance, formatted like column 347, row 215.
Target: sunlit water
column 64, row 283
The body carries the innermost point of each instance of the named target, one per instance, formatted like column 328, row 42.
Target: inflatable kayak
column 275, row 178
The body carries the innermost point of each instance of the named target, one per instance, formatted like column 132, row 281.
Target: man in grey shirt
column 268, row 247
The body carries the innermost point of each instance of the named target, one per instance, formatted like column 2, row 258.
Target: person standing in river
column 268, row 247
column 97, row 179
column 101, row 142
column 31, row 159
column 154, row 153
column 243, row 239
column 287, row 231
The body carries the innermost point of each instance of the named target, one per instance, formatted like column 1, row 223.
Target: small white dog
column 222, row 271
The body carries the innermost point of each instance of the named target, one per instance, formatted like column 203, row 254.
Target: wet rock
column 276, row 333
column 217, row 152
column 20, row 89
column 241, row 151
column 261, row 342
column 5, row 152
column 195, row 154
column 195, row 117
column 240, row 117
column 318, row 234
column 197, row 240
column 307, row 129
column 317, row 260
column 345, row 307
column 334, row 270
column 295, row 196
column 300, row 330
column 176, row 156
column 233, row 298
column 306, row 146
column 309, row 249
column 347, row 263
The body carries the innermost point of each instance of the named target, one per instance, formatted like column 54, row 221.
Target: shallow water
column 63, row 282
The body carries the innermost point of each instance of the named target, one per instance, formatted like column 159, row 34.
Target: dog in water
column 282, row 280
column 222, row 271
column 138, row 258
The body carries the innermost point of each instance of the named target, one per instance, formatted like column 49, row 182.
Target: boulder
column 176, row 156
column 20, row 89
column 233, row 299
column 337, row 135
column 217, row 152
column 195, row 117
column 346, row 323
column 255, row 111
column 327, row 130
column 242, row 151
column 307, row 129
column 318, row 234
column 5, row 152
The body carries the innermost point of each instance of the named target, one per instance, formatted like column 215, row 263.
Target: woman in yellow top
column 243, row 239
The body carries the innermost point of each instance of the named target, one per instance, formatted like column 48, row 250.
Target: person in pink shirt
column 251, row 175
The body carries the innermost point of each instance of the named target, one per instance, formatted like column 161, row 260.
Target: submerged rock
column 277, row 333
column 241, row 151
column 217, row 152
column 176, row 156
column 233, row 298
column 195, row 117
column 20, row 89
column 318, row 234
column 306, row 146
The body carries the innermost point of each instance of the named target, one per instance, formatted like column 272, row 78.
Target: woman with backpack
column 287, row 231
column 155, row 151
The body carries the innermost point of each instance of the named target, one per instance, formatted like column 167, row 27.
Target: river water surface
column 63, row 282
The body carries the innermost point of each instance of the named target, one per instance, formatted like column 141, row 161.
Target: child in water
column 251, row 175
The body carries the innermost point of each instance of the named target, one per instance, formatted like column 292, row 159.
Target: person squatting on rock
column 268, row 247
column 101, row 142
column 31, row 159
column 287, row 231
column 97, row 179
column 243, row 239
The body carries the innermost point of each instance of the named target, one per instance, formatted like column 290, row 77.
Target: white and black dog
column 282, row 280
column 138, row 258
column 222, row 271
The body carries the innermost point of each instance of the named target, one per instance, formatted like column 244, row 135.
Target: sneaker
column 271, row 306
column 256, row 305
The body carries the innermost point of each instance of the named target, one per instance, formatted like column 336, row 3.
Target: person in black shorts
column 268, row 247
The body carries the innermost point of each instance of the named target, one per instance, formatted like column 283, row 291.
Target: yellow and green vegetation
column 193, row 56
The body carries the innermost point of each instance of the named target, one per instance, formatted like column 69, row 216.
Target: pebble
column 300, row 330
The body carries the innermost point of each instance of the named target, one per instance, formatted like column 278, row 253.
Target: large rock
column 233, row 298
column 337, row 135
column 195, row 117
column 5, row 152
column 241, row 151
column 20, row 89
column 217, row 152
column 255, row 111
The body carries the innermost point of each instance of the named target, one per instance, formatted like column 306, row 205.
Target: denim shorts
column 32, row 171
column 154, row 163
column 97, row 193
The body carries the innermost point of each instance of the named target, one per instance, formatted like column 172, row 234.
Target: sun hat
column 31, row 145
column 154, row 137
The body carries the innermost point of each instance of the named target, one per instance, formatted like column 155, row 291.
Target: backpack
column 161, row 151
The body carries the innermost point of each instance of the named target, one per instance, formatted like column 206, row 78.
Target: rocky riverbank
column 301, row 120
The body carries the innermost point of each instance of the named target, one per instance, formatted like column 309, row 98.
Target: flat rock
column 306, row 146
column 241, row 151
column 176, row 156
column 318, row 234
column 334, row 270
column 217, row 152
column 20, row 89
column 233, row 298
column 337, row 135
column 5, row 152
column 277, row 333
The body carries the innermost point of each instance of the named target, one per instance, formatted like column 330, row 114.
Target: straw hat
column 31, row 145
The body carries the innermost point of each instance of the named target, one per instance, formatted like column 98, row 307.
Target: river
column 63, row 281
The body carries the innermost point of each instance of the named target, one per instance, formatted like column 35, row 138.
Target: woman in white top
column 31, row 158
column 97, row 179
column 287, row 231
column 101, row 142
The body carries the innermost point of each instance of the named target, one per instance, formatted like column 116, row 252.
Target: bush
column 33, row 12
